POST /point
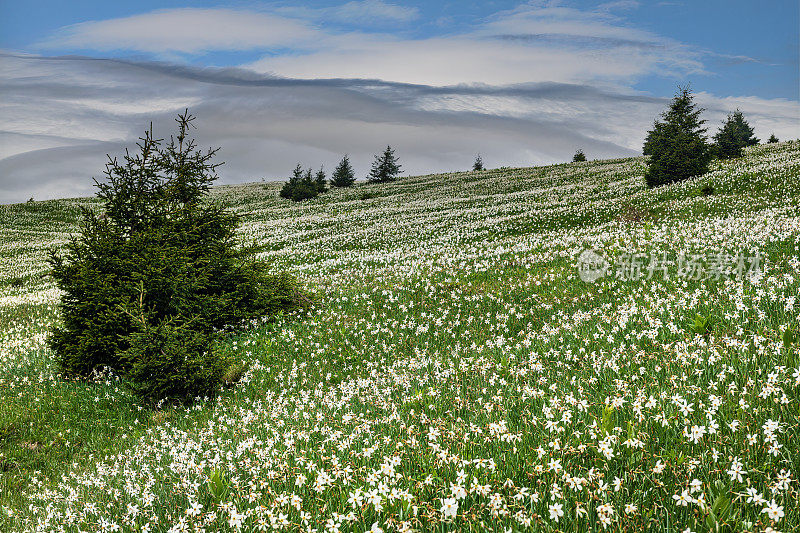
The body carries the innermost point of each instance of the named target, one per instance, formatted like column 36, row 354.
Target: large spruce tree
column 156, row 275
column 676, row 145
column 385, row 167
column 343, row 175
column 734, row 135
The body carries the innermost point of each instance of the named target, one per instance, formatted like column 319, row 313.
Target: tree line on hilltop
column 301, row 186
column 676, row 149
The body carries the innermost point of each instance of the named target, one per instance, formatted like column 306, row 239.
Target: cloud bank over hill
column 526, row 86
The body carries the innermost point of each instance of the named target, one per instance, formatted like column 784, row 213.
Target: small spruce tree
column 734, row 135
column 152, row 280
column 308, row 180
column 385, row 167
column 677, row 146
column 478, row 164
column 287, row 191
column 320, row 181
column 301, row 186
column 343, row 175
column 772, row 139
column 579, row 156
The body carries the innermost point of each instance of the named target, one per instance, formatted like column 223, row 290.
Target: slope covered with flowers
column 455, row 373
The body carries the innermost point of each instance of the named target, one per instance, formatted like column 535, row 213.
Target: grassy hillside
column 455, row 373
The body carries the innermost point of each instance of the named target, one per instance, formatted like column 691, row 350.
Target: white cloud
column 166, row 32
column 526, row 44
column 188, row 31
column 454, row 60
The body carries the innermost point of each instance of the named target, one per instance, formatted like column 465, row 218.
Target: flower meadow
column 454, row 373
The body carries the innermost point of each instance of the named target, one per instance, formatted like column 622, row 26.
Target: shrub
column 734, row 135
column 478, row 164
column 385, row 167
column 579, row 156
column 301, row 186
column 343, row 175
column 151, row 283
column 677, row 146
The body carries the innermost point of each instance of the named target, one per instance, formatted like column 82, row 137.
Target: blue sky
column 522, row 82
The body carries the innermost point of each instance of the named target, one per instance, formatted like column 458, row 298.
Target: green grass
column 452, row 346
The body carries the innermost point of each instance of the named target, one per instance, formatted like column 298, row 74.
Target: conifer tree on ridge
column 677, row 145
column 343, row 175
column 734, row 135
column 385, row 167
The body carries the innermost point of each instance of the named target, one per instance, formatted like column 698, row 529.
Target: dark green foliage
column 734, row 135
column 478, row 164
column 287, row 191
column 173, row 361
column 301, row 186
column 652, row 136
column 579, row 156
column 772, row 139
column 385, row 167
column 677, row 146
column 343, row 175
column 153, row 280
column 320, row 181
